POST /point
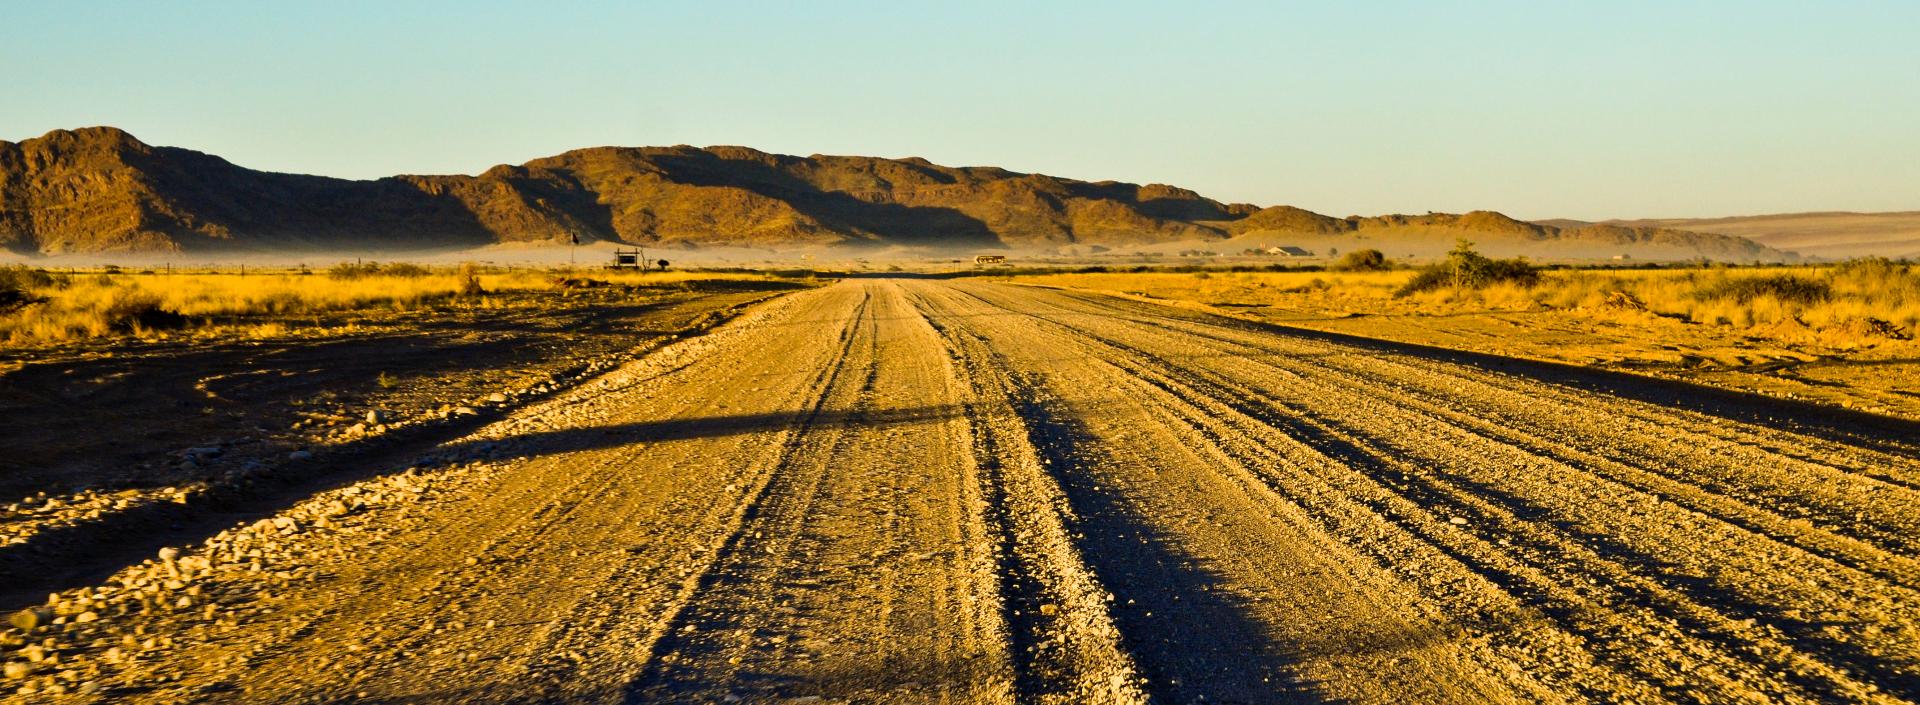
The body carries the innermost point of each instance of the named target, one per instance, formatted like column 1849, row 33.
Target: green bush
column 1466, row 269
column 1368, row 260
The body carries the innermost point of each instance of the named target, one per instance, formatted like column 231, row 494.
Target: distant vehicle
column 989, row 259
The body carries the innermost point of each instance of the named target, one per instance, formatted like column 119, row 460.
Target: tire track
column 1365, row 453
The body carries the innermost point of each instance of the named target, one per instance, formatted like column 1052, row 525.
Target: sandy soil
column 900, row 490
column 108, row 439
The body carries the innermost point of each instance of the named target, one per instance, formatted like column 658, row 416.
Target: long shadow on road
column 1193, row 640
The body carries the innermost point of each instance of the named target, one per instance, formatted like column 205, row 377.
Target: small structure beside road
column 627, row 259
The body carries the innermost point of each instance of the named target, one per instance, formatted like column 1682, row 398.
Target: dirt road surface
column 902, row 490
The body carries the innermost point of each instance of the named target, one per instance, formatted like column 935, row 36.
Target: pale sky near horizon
column 1556, row 109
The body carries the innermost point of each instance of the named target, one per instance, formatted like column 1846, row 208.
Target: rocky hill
column 1832, row 235
column 99, row 189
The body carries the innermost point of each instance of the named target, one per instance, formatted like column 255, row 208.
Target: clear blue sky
column 1539, row 109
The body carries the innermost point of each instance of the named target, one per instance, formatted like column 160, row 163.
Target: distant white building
column 1289, row 251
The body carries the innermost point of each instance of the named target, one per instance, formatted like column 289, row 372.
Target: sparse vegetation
column 1853, row 303
column 1785, row 288
column 1466, row 269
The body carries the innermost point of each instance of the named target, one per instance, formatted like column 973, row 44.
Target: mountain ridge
column 101, row 190
column 1829, row 234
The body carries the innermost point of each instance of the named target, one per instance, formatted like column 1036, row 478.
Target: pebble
column 28, row 619
column 379, row 416
column 496, row 398
column 300, row 455
column 16, row 670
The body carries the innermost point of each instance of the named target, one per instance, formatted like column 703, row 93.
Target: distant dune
column 100, row 190
column 1836, row 235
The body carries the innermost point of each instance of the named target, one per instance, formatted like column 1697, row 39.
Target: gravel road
column 910, row 490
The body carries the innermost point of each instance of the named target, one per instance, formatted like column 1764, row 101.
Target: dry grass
column 1850, row 304
column 71, row 307
column 1866, row 295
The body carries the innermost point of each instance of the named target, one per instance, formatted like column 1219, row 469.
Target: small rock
column 1458, row 521
column 300, row 455
column 28, row 619
column 16, row 670
column 85, row 617
column 496, row 398
column 378, row 416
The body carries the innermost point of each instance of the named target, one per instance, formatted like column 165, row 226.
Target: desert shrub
column 13, row 298
column 13, row 293
column 1466, row 269
column 134, row 310
column 404, row 269
column 469, row 277
column 1785, row 288
column 1368, row 260
column 358, row 270
column 1870, row 268
column 353, row 270
column 20, row 277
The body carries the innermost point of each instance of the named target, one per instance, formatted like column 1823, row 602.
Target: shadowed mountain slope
column 99, row 189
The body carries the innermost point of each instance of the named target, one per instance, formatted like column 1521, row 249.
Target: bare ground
column 897, row 490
